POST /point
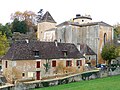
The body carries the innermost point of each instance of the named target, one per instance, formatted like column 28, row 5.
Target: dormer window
column 64, row 53
column 36, row 54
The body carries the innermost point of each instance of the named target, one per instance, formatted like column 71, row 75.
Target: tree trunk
column 109, row 65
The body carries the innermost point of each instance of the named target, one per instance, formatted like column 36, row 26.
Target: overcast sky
column 63, row 10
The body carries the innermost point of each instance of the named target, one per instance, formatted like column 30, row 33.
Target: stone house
column 36, row 60
column 83, row 30
column 89, row 54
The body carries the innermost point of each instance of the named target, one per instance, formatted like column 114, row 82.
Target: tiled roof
column 48, row 50
column 85, row 49
column 47, row 18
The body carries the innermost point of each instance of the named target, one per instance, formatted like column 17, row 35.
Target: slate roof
column 47, row 18
column 91, row 24
column 85, row 24
column 48, row 50
column 85, row 49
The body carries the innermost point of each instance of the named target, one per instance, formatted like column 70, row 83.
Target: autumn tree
column 28, row 16
column 3, row 44
column 109, row 52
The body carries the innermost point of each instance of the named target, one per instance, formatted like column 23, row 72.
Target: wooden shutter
column 38, row 64
column 53, row 63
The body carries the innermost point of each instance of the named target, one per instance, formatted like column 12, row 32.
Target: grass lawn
column 109, row 83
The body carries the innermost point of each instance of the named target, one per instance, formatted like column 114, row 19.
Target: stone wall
column 42, row 27
column 64, row 80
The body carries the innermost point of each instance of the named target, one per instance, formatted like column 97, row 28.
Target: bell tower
column 47, row 22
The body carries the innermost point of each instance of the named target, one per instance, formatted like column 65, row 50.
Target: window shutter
column 53, row 63
column 80, row 62
column 38, row 64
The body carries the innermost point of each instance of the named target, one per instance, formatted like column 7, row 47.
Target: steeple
column 47, row 18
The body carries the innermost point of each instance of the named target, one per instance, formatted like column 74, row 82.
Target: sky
column 63, row 10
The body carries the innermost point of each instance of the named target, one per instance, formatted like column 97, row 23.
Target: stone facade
column 94, row 34
column 36, row 60
column 23, row 70
column 47, row 22
column 42, row 27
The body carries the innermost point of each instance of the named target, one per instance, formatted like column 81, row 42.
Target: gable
column 47, row 18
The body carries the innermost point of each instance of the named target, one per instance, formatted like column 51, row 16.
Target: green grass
column 109, row 83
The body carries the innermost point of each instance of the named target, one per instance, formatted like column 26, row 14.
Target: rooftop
column 47, row 18
column 23, row 50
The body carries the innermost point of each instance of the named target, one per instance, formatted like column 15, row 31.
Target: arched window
column 105, row 38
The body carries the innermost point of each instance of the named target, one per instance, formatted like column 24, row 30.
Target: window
column 82, row 20
column 68, row 63
column 6, row 64
column 105, row 38
column 23, row 74
column 36, row 53
column 65, row 53
column 53, row 63
column 38, row 64
column 79, row 63
column 89, row 58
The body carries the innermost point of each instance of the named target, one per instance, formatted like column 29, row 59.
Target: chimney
column 56, row 43
column 78, row 15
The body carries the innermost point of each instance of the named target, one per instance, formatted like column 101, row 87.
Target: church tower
column 47, row 22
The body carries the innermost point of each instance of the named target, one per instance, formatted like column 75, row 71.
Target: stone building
column 36, row 60
column 82, row 30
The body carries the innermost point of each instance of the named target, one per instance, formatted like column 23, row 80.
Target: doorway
column 38, row 75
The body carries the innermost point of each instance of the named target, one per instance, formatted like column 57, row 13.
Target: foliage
column 109, row 52
column 109, row 83
column 28, row 16
column 39, row 16
column 19, row 26
column 25, row 20
column 3, row 44
column 6, row 29
column 46, row 65
column 117, row 31
column 60, row 68
column 63, row 69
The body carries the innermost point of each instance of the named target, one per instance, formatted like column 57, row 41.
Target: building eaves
column 82, row 17
column 92, row 24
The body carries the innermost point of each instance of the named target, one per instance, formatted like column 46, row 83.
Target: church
column 88, row 36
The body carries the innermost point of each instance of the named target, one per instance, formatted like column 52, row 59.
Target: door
column 38, row 75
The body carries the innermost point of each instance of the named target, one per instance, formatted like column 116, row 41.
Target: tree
column 19, row 26
column 47, row 65
column 3, row 44
column 40, row 15
column 109, row 52
column 6, row 29
column 117, row 31
column 28, row 16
